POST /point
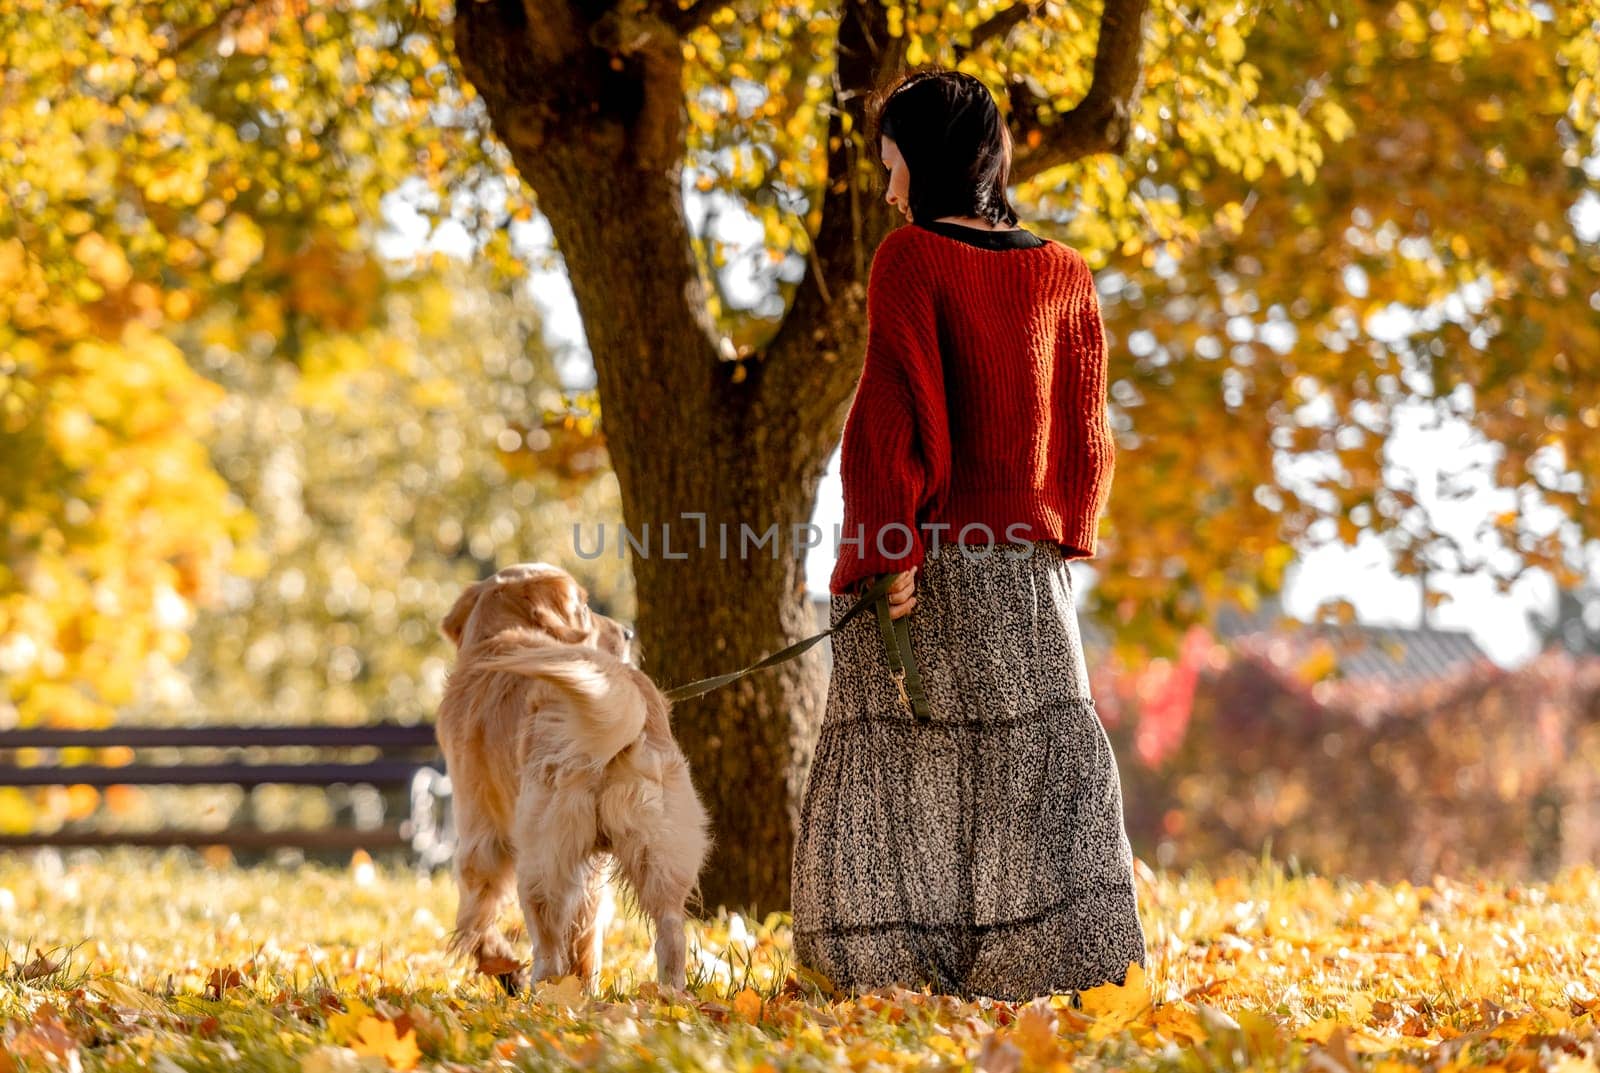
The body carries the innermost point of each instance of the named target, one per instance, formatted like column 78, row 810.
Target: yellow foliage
column 144, row 186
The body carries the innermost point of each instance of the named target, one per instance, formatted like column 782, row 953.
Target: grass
column 165, row 962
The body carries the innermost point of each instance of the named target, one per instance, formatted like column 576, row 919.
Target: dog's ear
column 455, row 623
column 555, row 605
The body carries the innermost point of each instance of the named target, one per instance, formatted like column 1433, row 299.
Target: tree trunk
column 602, row 148
column 749, row 744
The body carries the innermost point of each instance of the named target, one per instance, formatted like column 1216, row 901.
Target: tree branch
column 1102, row 121
column 997, row 26
column 809, row 370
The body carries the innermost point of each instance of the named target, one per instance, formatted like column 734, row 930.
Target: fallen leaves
column 393, row 1041
column 565, row 993
column 220, row 980
column 330, row 971
column 497, row 966
column 747, row 1004
column 46, row 1041
column 384, row 1034
column 123, row 997
column 42, row 965
column 1116, row 1006
column 1034, row 1034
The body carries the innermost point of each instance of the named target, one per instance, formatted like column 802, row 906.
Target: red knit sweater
column 982, row 399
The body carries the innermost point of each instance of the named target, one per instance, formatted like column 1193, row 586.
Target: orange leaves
column 41, row 966
column 495, row 966
column 393, row 1041
column 221, row 980
column 1181, row 1023
column 1030, row 1042
column 1423, row 137
column 45, row 1042
column 1035, row 1034
column 747, row 1005
column 1117, row 1006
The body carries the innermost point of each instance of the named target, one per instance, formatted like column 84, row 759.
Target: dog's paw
column 506, row 972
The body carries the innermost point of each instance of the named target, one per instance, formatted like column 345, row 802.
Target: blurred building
column 1391, row 655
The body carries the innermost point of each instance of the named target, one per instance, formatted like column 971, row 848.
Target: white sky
column 1362, row 574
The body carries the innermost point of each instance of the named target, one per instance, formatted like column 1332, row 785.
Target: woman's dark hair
column 954, row 140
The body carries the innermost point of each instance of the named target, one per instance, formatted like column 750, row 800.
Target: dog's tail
column 606, row 711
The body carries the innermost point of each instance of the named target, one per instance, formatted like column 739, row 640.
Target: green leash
column 902, row 661
column 897, row 644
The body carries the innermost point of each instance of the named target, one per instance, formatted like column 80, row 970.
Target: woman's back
column 991, row 343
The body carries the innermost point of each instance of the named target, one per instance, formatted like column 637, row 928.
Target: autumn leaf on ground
column 1034, row 1033
column 41, row 965
column 362, row 987
column 128, row 998
column 431, row 1030
column 344, row 1027
column 1322, row 1031
column 330, row 1059
column 47, row 1040
column 567, row 991
column 1179, row 1022
column 998, row 1055
column 376, row 1036
column 493, row 966
column 220, row 980
column 747, row 1004
column 1115, row 1007
column 816, row 979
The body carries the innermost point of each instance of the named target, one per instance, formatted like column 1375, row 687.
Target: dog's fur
column 559, row 751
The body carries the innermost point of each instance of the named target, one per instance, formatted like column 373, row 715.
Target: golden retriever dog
column 559, row 751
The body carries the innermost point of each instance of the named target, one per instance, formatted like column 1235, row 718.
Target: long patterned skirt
column 981, row 851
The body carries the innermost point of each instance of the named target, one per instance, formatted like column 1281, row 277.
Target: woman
column 978, row 845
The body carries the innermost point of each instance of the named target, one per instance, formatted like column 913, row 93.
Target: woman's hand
column 902, row 594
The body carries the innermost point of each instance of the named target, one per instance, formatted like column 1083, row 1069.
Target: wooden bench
column 406, row 756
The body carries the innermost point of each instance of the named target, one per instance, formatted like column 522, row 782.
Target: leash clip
column 900, row 685
column 902, row 661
